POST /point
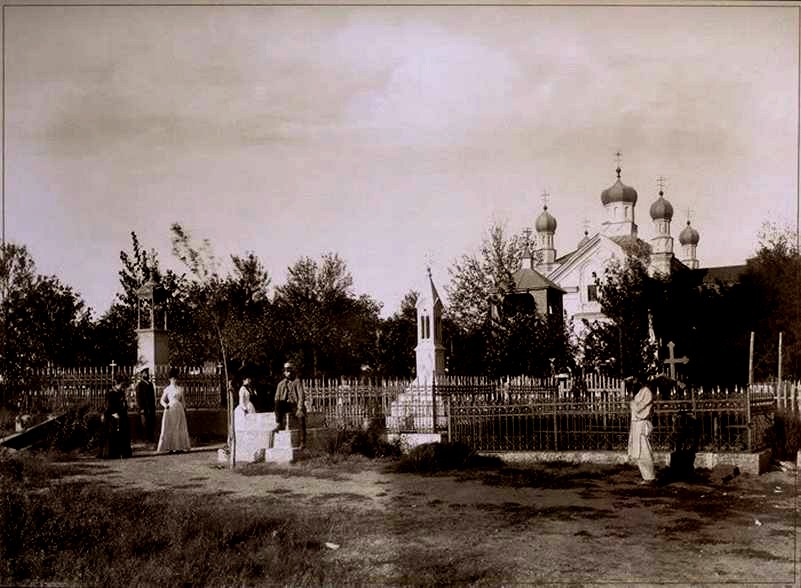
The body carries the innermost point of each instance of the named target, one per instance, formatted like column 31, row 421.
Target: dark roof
column 529, row 279
column 632, row 245
column 727, row 274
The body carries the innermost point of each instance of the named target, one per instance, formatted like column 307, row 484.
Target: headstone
column 253, row 433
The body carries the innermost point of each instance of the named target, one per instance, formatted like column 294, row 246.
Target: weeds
column 90, row 535
column 785, row 437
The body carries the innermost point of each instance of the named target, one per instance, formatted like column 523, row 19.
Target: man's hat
column 144, row 370
column 289, row 366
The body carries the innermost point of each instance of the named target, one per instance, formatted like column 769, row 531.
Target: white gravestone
column 253, row 432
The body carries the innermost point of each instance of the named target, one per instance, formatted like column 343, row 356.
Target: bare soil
column 581, row 524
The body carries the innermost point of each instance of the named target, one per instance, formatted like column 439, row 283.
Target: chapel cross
column 618, row 157
column 545, row 196
column 660, row 182
column 527, row 236
column 672, row 360
column 689, row 215
column 586, row 226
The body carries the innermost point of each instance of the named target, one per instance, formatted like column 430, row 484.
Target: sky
column 394, row 136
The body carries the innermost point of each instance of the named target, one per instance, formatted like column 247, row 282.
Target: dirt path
column 578, row 524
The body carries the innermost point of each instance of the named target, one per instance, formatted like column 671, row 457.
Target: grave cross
column 672, row 360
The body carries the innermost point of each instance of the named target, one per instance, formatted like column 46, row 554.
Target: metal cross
column 586, row 226
column 660, row 182
column 672, row 360
column 545, row 196
column 689, row 215
column 527, row 234
column 618, row 157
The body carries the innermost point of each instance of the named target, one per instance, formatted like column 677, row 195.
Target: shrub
column 78, row 429
column 369, row 443
column 436, row 457
column 785, row 437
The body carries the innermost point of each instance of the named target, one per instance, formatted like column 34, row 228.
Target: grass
column 89, row 534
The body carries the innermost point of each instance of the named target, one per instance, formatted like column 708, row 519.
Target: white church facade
column 576, row 272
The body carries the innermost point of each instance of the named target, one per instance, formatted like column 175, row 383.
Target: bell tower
column 153, row 346
column 430, row 352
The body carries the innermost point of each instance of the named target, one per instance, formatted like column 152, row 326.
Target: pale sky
column 387, row 134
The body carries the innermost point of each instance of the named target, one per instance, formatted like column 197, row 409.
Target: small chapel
column 566, row 283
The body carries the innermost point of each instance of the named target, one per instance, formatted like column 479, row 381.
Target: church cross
column 672, row 360
column 689, row 215
column 586, row 226
column 660, row 182
column 545, row 197
column 527, row 235
column 618, row 157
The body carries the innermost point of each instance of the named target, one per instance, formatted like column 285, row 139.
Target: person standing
column 247, row 395
column 146, row 401
column 116, row 434
column 290, row 399
column 174, row 433
column 639, row 449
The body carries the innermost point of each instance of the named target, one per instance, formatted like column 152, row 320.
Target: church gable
column 577, row 276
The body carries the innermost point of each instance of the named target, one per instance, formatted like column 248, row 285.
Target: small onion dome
column 546, row 223
column 688, row 236
column 661, row 208
column 619, row 192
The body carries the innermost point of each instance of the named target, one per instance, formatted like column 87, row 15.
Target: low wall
column 204, row 424
column 748, row 463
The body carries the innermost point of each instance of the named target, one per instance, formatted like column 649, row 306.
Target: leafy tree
column 625, row 343
column 477, row 280
column 771, row 284
column 43, row 320
column 398, row 338
column 326, row 325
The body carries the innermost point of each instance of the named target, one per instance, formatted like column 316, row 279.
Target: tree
column 771, row 285
column 44, row 321
column 330, row 329
column 398, row 338
column 625, row 342
column 476, row 280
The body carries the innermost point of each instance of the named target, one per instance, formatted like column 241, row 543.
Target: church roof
column 528, row 279
column 633, row 246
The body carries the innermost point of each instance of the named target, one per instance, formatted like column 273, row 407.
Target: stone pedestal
column 253, row 433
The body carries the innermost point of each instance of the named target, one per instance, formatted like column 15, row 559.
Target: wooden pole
column 751, row 361
column 779, row 383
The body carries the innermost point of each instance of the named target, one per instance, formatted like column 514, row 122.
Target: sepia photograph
column 320, row 294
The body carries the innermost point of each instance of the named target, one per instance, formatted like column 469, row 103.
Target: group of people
column 289, row 400
column 116, row 434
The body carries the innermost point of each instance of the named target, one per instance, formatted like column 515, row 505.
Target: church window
column 592, row 293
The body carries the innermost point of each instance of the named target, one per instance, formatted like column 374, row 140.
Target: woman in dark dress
column 116, row 439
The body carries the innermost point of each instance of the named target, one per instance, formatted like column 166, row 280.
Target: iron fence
column 350, row 403
column 543, row 416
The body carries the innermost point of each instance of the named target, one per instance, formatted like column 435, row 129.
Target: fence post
column 449, row 416
column 748, row 415
column 433, row 407
column 555, row 427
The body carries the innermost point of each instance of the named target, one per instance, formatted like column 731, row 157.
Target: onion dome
column 688, row 236
column 661, row 209
column 619, row 192
column 545, row 223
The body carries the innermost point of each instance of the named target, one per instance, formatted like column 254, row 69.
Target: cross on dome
column 545, row 198
column 660, row 182
column 618, row 159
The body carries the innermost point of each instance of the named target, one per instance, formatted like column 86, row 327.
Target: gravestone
column 253, row 433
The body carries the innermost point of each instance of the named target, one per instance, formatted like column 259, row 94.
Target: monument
column 152, row 340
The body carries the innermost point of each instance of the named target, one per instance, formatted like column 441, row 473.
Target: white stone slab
column 252, row 435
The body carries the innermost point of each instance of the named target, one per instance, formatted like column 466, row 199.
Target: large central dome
column 619, row 192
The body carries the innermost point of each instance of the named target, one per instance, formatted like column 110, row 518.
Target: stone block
column 279, row 455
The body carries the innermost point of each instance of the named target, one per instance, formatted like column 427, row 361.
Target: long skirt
column 174, row 432
column 640, row 448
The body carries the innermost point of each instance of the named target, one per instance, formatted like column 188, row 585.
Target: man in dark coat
column 290, row 399
column 146, row 402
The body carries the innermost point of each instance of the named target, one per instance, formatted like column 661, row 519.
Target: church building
column 567, row 283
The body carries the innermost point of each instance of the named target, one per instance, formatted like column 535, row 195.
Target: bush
column 79, row 429
column 785, row 437
column 369, row 443
column 437, row 457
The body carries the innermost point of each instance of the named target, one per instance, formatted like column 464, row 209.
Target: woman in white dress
column 174, row 433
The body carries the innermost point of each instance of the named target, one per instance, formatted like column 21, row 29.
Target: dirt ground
column 581, row 524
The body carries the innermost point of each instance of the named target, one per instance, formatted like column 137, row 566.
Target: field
column 328, row 520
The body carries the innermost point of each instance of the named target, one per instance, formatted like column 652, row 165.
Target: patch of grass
column 87, row 534
column 443, row 457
